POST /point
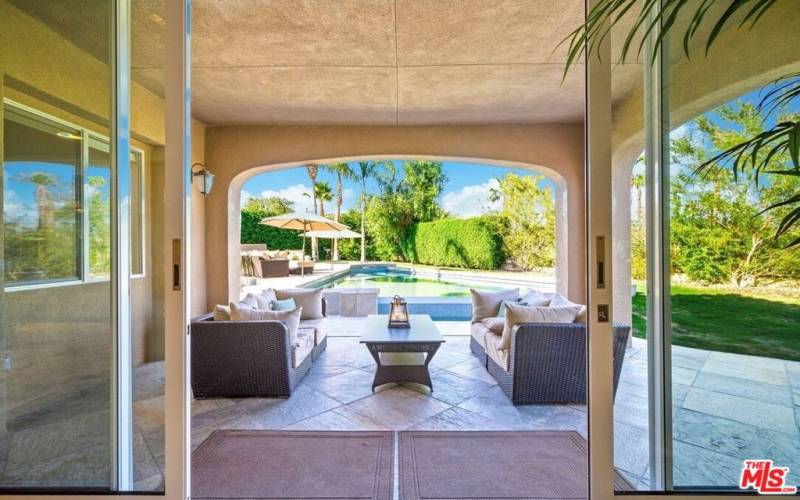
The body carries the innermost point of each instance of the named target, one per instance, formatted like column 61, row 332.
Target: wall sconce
column 202, row 178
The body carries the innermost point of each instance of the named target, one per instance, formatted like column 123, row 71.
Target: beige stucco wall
column 236, row 153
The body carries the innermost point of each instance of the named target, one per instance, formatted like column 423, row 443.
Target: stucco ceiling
column 280, row 62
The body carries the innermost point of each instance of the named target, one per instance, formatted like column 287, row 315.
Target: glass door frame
column 176, row 228
column 598, row 210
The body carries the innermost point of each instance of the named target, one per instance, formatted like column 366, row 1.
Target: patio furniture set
column 258, row 262
column 533, row 344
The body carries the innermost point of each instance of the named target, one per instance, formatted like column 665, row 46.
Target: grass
column 726, row 321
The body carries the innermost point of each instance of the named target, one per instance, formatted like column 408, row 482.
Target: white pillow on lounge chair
column 518, row 314
column 290, row 318
column 310, row 299
column 487, row 304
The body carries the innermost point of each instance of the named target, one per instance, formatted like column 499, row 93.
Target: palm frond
column 758, row 154
column 779, row 93
column 658, row 17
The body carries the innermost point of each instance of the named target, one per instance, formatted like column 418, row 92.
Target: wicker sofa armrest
column 239, row 358
column 550, row 359
column 548, row 362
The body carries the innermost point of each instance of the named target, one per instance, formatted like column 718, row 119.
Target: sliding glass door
column 706, row 256
column 82, row 307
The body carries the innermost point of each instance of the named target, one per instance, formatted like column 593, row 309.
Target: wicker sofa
column 252, row 358
column 546, row 362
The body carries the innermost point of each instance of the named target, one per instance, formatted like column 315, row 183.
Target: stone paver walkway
column 727, row 408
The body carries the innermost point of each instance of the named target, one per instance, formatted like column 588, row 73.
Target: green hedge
column 276, row 239
column 468, row 243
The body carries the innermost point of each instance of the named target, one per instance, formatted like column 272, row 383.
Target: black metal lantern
column 398, row 313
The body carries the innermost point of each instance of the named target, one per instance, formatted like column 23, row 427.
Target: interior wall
column 236, row 153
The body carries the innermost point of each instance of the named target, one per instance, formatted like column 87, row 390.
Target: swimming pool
column 393, row 281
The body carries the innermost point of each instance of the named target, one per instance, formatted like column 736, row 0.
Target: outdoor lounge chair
column 274, row 268
column 251, row 358
column 546, row 362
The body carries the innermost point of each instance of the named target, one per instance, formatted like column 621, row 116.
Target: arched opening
column 545, row 264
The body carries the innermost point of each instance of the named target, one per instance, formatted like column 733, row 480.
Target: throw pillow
column 532, row 296
column 282, row 305
column 290, row 318
column 517, row 314
column 251, row 300
column 487, row 304
column 495, row 325
column 525, row 301
column 265, row 298
column 561, row 301
column 222, row 313
column 310, row 299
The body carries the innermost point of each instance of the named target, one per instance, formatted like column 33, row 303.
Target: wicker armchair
column 245, row 359
column 547, row 363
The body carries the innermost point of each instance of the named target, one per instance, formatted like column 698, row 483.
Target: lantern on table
column 398, row 313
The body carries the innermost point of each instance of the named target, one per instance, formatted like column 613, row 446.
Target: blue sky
column 464, row 195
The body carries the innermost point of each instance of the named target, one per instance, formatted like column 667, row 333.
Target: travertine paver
column 727, row 407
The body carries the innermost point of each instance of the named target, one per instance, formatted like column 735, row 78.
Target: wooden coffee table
column 402, row 354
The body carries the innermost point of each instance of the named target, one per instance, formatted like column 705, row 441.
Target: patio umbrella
column 334, row 235
column 305, row 223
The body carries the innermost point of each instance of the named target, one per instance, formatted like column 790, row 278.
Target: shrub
column 469, row 243
column 275, row 238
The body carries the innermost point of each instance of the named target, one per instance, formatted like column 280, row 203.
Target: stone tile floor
column 727, row 408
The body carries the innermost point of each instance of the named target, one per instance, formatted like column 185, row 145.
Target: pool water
column 393, row 283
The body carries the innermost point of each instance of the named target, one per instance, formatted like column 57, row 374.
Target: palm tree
column 323, row 193
column 312, row 171
column 342, row 171
column 657, row 19
column 365, row 171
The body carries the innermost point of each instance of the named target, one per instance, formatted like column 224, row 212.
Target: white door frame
column 178, row 192
column 176, row 239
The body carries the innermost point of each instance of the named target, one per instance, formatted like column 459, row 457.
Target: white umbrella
column 303, row 222
column 334, row 235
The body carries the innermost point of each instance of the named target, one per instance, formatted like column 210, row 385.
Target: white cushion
column 478, row 332
column 494, row 325
column 250, row 300
column 516, row 314
column 499, row 356
column 310, row 299
column 487, row 304
column 222, row 313
column 533, row 297
column 265, row 298
column 302, row 346
column 561, row 301
column 317, row 326
column 290, row 318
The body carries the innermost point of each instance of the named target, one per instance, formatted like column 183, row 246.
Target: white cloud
column 295, row 194
column 472, row 200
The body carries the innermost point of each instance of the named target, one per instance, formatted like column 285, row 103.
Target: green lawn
column 730, row 322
